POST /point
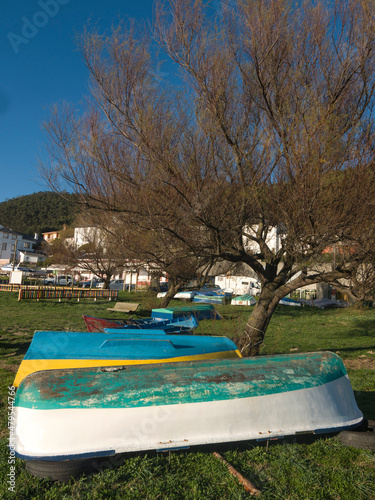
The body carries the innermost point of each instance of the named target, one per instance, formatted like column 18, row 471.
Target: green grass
column 349, row 332
column 323, row 469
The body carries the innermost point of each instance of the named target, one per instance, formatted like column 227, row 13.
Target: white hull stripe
column 69, row 433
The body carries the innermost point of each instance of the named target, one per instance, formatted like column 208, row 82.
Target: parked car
column 62, row 280
column 94, row 283
column 118, row 285
column 9, row 267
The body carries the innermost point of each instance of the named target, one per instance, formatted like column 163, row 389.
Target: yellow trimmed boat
column 57, row 350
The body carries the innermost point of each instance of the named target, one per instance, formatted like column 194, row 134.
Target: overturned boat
column 180, row 324
column 184, row 295
column 66, row 415
column 212, row 298
column 243, row 300
column 199, row 311
column 56, row 350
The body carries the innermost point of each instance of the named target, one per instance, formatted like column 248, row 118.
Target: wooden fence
column 60, row 293
column 17, row 287
column 9, row 288
column 66, row 294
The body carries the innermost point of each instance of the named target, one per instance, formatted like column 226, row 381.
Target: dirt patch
column 4, row 433
column 360, row 363
column 11, row 368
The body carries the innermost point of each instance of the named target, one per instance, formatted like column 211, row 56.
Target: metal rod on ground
column 245, row 482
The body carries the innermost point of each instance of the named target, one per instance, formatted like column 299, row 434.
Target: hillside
column 39, row 212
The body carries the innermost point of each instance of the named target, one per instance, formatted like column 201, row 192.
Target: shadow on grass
column 363, row 327
column 282, row 310
column 304, row 311
column 366, row 403
column 342, row 350
column 20, row 347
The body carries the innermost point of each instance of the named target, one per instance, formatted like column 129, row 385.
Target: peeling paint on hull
column 65, row 414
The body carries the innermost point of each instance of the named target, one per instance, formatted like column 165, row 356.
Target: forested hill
column 38, row 212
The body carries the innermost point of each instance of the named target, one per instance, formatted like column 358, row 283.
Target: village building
column 19, row 247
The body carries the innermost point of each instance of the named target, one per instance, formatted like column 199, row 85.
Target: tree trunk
column 106, row 283
column 172, row 290
column 155, row 283
column 252, row 337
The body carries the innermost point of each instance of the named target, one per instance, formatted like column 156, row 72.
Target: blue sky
column 40, row 66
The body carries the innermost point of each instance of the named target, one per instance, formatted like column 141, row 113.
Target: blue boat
column 286, row 301
column 180, row 324
column 199, row 311
column 212, row 291
column 243, row 300
column 55, row 350
column 212, row 298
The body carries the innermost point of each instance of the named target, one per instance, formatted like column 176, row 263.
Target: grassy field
column 323, row 469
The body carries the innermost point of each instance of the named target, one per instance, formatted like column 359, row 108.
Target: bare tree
column 98, row 254
column 360, row 285
column 268, row 127
column 98, row 258
column 155, row 247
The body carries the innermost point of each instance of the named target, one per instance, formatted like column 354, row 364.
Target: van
column 239, row 285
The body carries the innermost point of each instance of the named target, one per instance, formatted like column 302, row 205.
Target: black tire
column 363, row 437
column 61, row 471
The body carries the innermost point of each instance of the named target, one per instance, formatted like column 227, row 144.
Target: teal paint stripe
column 200, row 311
column 177, row 383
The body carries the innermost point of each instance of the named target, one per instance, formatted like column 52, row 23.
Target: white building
column 238, row 285
column 16, row 246
column 273, row 239
column 132, row 272
column 84, row 235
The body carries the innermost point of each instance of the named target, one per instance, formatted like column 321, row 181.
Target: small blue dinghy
column 286, row 301
column 56, row 350
column 199, row 311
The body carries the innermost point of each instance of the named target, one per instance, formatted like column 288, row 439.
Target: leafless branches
column 266, row 125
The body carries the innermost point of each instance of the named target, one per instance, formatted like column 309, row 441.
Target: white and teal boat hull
column 72, row 414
